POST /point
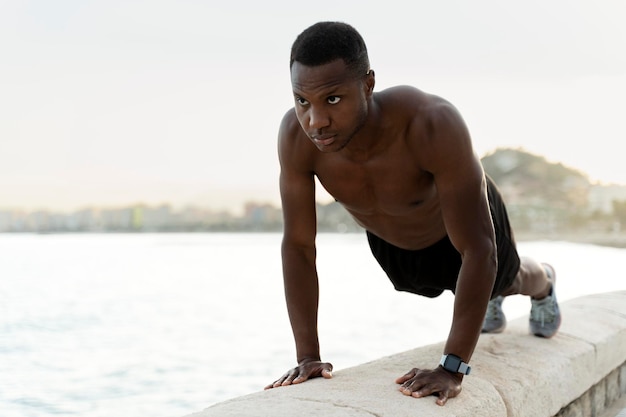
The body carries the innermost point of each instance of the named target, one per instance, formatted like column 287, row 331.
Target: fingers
column 302, row 373
column 422, row 383
column 409, row 375
column 292, row 377
column 286, row 379
column 443, row 398
column 418, row 391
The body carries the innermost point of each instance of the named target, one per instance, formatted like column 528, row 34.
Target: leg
column 537, row 281
column 531, row 280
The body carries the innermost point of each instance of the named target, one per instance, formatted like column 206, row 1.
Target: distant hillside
column 531, row 179
column 540, row 195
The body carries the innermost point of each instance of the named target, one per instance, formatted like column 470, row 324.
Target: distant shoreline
column 615, row 240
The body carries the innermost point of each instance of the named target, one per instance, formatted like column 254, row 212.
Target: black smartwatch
column 455, row 364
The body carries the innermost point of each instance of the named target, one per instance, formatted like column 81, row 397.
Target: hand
column 421, row 383
column 305, row 370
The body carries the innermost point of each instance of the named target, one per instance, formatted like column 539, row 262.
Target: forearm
column 474, row 287
column 302, row 296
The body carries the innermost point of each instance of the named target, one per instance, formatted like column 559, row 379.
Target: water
column 168, row 324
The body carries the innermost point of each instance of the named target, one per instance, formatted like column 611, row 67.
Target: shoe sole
column 494, row 331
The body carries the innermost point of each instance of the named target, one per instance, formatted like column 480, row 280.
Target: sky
column 117, row 102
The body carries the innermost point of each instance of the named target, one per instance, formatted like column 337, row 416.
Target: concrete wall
column 578, row 373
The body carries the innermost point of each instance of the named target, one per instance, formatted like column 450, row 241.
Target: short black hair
column 325, row 42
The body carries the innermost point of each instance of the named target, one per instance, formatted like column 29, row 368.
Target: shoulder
column 428, row 116
column 294, row 148
column 418, row 108
column 421, row 104
column 408, row 96
column 435, row 129
column 289, row 125
column 403, row 97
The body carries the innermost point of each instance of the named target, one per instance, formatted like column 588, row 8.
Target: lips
column 324, row 140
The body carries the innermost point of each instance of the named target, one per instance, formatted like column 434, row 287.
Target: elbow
column 491, row 258
column 294, row 248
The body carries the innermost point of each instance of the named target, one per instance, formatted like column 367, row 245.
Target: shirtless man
column 401, row 162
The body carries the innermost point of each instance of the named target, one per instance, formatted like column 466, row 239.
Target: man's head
column 332, row 84
column 325, row 42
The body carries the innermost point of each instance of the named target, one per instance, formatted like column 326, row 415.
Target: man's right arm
column 297, row 189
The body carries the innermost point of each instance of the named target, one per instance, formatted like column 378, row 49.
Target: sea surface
column 101, row 325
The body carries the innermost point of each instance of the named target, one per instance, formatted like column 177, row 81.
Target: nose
column 318, row 118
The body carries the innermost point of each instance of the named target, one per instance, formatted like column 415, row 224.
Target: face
column 331, row 102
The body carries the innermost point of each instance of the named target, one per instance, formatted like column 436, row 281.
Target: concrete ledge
column 578, row 373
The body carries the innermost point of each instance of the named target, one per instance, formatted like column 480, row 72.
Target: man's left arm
column 461, row 188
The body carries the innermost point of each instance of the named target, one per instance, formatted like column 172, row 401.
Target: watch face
column 452, row 363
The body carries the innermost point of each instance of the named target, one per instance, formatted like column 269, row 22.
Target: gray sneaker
column 495, row 320
column 545, row 316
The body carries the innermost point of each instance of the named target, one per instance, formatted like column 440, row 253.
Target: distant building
column 601, row 197
column 261, row 216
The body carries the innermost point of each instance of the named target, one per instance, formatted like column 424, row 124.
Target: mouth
column 323, row 140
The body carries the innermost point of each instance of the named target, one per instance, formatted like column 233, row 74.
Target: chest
column 388, row 185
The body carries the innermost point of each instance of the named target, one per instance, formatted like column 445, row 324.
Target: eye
column 301, row 101
column 333, row 99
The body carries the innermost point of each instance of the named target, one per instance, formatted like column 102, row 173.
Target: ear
column 370, row 81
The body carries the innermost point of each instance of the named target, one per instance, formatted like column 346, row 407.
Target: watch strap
column 455, row 364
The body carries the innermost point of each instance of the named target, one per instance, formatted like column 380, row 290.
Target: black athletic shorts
column 432, row 270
